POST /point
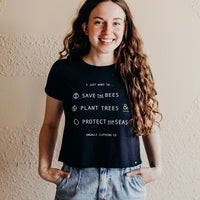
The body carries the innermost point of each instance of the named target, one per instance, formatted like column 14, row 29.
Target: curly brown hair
column 131, row 64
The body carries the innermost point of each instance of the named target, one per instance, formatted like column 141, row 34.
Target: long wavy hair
column 131, row 64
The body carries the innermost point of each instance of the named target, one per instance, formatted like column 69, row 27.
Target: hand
column 148, row 174
column 52, row 174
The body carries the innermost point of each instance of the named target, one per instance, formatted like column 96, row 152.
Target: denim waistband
column 123, row 170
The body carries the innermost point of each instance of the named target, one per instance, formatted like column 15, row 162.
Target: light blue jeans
column 100, row 184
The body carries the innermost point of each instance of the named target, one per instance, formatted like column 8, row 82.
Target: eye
column 98, row 22
column 116, row 23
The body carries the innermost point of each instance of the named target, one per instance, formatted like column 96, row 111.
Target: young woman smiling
column 102, row 55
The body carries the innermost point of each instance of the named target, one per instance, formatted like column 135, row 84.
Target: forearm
column 47, row 141
column 152, row 145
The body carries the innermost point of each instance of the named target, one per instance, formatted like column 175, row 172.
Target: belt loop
column 67, row 168
column 103, row 183
column 79, row 177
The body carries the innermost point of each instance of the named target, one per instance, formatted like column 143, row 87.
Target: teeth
column 106, row 40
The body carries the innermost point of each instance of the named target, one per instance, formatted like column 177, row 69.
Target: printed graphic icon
column 76, row 122
column 76, row 95
column 74, row 108
column 125, row 108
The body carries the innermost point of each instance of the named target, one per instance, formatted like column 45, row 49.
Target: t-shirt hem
column 105, row 165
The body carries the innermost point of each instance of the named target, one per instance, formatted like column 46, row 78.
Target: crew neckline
column 97, row 66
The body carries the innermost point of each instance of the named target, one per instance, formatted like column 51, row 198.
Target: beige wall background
column 31, row 34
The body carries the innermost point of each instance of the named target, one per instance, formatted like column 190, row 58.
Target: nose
column 107, row 29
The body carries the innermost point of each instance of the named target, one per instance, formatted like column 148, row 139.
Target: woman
column 104, row 85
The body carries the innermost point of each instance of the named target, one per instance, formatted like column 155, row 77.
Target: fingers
column 65, row 174
column 52, row 174
column 134, row 172
column 62, row 173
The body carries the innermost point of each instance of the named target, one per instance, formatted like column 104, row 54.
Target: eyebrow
column 113, row 18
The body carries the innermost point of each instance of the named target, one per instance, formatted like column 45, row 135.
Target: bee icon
column 76, row 95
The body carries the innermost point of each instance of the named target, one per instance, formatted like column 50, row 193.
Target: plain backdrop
column 31, row 35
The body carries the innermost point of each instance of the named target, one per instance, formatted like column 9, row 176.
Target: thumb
column 65, row 174
column 134, row 172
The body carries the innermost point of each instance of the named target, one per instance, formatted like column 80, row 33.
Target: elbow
column 50, row 126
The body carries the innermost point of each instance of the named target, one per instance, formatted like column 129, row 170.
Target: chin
column 107, row 51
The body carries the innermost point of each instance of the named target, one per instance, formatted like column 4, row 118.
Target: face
column 105, row 28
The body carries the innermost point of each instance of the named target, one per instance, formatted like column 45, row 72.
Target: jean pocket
column 60, row 180
column 139, row 179
column 135, row 179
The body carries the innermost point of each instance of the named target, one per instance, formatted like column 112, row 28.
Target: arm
column 47, row 140
column 152, row 146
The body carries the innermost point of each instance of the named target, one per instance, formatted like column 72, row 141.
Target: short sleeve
column 54, row 85
column 155, row 92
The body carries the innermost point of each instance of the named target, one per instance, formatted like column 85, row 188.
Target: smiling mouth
column 105, row 40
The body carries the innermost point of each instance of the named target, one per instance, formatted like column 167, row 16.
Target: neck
column 99, row 60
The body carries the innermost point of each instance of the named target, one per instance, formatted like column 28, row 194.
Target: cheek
column 120, row 33
column 94, row 31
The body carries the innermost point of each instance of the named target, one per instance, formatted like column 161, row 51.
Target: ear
column 84, row 27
